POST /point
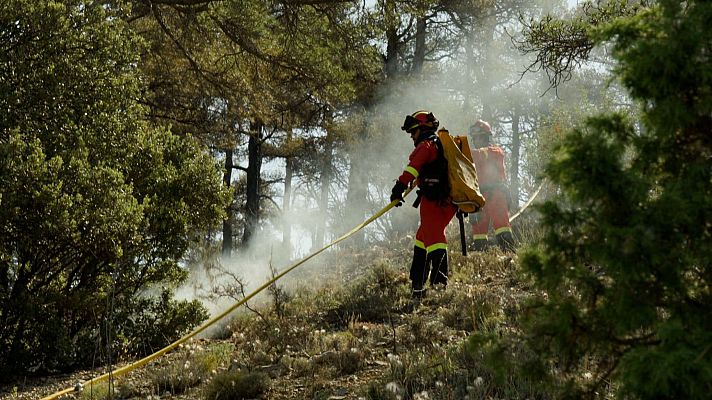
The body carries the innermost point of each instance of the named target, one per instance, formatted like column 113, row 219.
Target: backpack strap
column 416, row 203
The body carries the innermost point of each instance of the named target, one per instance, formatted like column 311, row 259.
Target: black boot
column 418, row 272
column 438, row 261
column 479, row 244
column 505, row 241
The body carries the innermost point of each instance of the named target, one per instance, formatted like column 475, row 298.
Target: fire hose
column 140, row 363
column 218, row 317
column 528, row 203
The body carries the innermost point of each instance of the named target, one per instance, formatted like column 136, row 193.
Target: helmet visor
column 410, row 124
column 478, row 130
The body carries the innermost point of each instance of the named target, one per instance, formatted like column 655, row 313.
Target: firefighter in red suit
column 489, row 162
column 427, row 167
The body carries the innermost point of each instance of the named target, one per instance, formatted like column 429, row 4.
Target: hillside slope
column 357, row 335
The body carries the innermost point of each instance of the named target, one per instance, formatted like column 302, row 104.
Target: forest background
column 150, row 145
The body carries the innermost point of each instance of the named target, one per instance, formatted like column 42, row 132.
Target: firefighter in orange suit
column 427, row 167
column 489, row 162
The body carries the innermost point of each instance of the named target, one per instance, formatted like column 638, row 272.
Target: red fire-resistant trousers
column 430, row 251
column 434, row 218
column 496, row 211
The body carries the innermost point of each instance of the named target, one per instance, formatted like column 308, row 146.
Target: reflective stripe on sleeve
column 412, row 171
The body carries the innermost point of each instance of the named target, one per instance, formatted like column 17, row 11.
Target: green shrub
column 624, row 268
column 98, row 206
column 349, row 361
column 153, row 322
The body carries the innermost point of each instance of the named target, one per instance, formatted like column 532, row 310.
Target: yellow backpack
column 462, row 175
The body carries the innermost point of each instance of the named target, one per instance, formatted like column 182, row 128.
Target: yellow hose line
column 528, row 203
column 159, row 353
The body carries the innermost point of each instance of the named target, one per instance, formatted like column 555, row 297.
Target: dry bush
column 342, row 352
column 419, row 374
column 237, row 385
column 421, row 331
column 379, row 391
column 99, row 391
column 343, row 361
column 176, row 378
column 496, row 358
column 117, row 389
column 196, row 365
column 317, row 335
column 301, row 367
column 471, row 309
column 374, row 297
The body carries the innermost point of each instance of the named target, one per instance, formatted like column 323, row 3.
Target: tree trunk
column 486, row 79
column 254, row 167
column 514, row 160
column 286, row 206
column 419, row 54
column 326, row 175
column 470, row 92
column 227, row 223
column 392, row 39
column 356, row 196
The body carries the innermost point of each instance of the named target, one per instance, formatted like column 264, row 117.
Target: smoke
column 484, row 81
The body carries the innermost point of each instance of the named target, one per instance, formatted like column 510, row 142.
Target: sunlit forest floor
column 356, row 334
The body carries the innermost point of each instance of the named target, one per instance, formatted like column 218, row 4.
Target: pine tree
column 625, row 268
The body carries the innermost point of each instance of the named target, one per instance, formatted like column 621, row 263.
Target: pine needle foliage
column 625, row 266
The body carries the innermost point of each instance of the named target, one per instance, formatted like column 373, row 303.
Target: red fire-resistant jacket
column 434, row 216
column 425, row 152
column 489, row 162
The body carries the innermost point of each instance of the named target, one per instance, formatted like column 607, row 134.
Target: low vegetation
column 357, row 336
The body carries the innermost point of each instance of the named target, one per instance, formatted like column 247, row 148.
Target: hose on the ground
column 216, row 318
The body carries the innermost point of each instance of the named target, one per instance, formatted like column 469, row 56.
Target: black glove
column 397, row 193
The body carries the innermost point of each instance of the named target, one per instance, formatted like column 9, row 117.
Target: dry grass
column 355, row 336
